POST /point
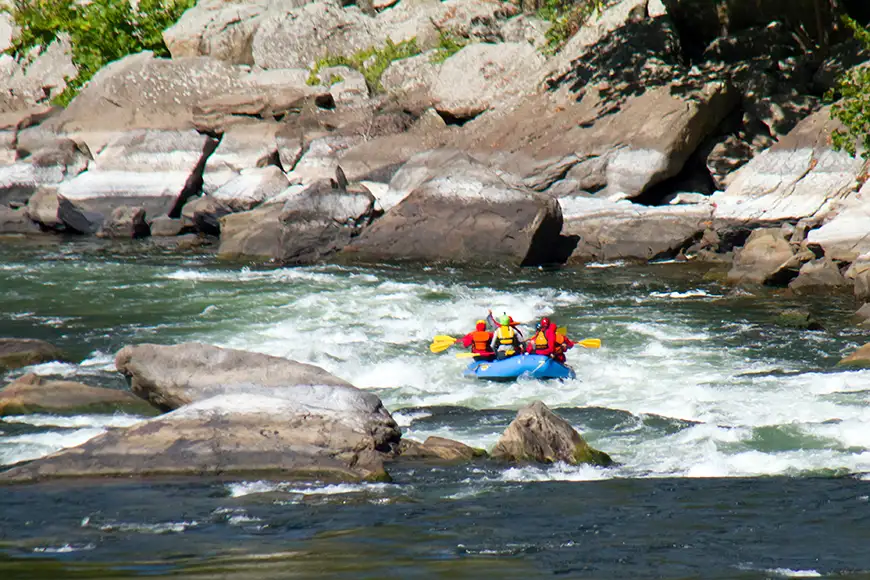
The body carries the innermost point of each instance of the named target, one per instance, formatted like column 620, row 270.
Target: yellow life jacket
column 505, row 335
column 541, row 340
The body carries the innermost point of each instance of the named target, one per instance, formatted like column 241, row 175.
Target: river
column 741, row 450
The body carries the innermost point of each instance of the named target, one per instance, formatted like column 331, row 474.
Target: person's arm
column 491, row 319
column 466, row 340
column 568, row 343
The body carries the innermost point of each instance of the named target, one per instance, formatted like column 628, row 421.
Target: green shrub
column 100, row 32
column 449, row 43
column 566, row 18
column 371, row 62
column 853, row 108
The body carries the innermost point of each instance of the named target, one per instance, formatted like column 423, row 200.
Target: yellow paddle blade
column 590, row 343
column 440, row 346
column 465, row 355
column 444, row 338
column 563, row 330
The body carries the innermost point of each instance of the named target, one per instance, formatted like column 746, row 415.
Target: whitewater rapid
column 691, row 381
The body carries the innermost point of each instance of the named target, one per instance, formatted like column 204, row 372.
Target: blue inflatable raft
column 532, row 366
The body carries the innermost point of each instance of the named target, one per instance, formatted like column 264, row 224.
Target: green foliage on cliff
column 371, row 62
column 449, row 43
column 99, row 32
column 853, row 108
column 566, row 18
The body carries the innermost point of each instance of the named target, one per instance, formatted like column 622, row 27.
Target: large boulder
column 765, row 253
column 604, row 148
column 241, row 147
column 539, row 435
column 821, row 276
column 155, row 170
column 17, row 221
column 22, row 352
column 278, row 435
column 609, row 230
column 843, row 236
column 800, row 177
column 298, row 37
column 252, row 187
column 487, row 220
column 37, row 77
column 34, row 394
column 216, row 28
column 45, row 168
column 143, row 92
column 309, row 226
column 171, row 376
column 486, row 76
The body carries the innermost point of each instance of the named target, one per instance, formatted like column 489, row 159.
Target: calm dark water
column 417, row 528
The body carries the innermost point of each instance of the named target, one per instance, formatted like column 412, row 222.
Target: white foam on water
column 599, row 265
column 145, row 528
column 557, row 472
column 241, row 489
column 19, row 448
column 64, row 549
column 697, row 293
column 75, row 421
column 405, row 418
column 789, row 573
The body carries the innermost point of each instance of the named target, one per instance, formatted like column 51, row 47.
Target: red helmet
column 545, row 322
column 481, row 325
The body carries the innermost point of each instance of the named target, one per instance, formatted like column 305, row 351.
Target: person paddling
column 480, row 341
column 506, row 339
column 544, row 340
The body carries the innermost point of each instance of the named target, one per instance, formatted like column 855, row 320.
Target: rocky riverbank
column 659, row 130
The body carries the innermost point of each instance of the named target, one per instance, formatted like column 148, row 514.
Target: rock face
column 609, row 230
column 259, row 435
column 483, row 76
column 844, row 236
column 154, row 170
column 310, row 225
column 799, row 177
column 144, row 92
column 171, row 376
column 487, row 220
column 539, row 435
column 221, row 30
column 34, row 394
column 21, row 352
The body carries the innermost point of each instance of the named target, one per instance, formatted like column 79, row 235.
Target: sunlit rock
column 34, row 394
column 539, row 435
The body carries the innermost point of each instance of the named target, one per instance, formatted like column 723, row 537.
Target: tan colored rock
column 439, row 448
column 764, row 253
column 493, row 221
column 22, row 352
column 860, row 358
column 486, row 76
column 801, row 176
column 818, row 276
column 243, row 434
column 219, row 29
column 143, row 92
column 539, row 435
column 34, row 394
column 172, row 376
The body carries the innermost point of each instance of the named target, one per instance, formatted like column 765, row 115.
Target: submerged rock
column 172, row 376
column 21, row 352
column 242, row 433
column 34, row 394
column 539, row 435
column 439, row 448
